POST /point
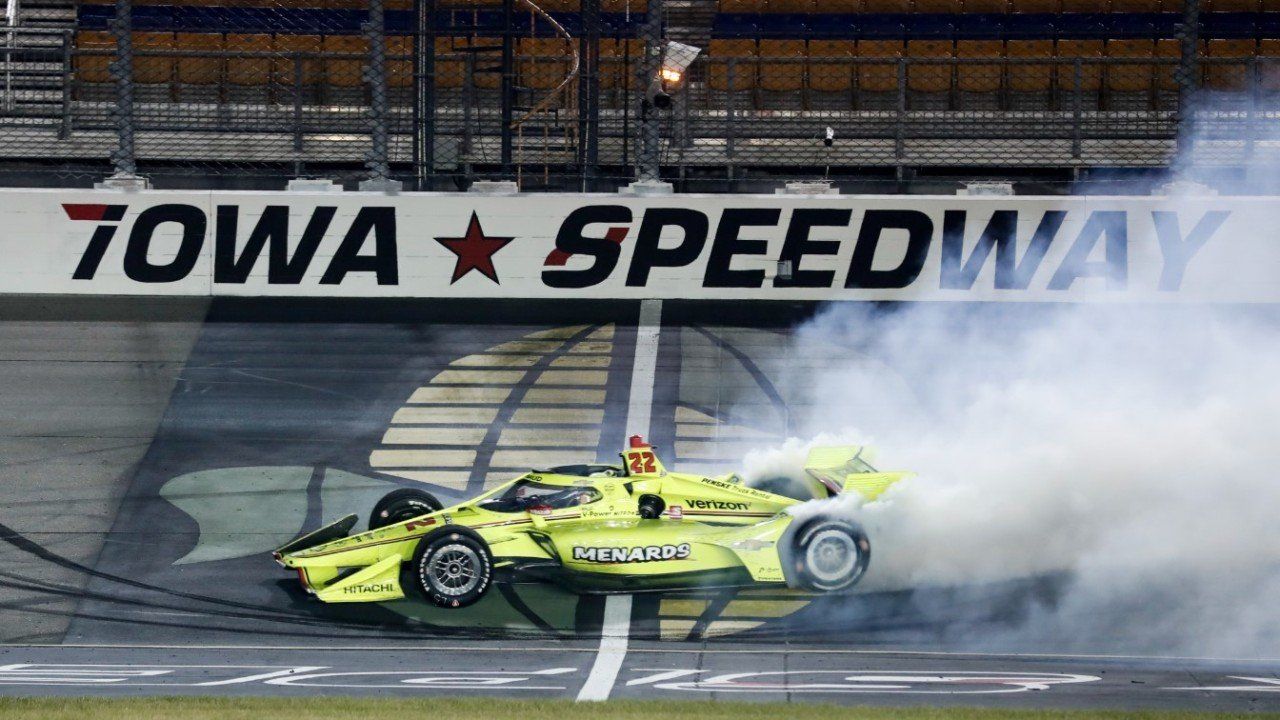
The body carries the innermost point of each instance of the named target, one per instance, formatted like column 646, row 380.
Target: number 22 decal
column 643, row 462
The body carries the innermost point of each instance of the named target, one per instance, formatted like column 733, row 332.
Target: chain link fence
column 588, row 94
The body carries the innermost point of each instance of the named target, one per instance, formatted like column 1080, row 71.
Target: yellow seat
column 1030, row 77
column 1090, row 73
column 1231, row 6
column 886, row 6
column 200, row 70
column 93, row 68
column 1165, row 79
column 290, row 50
column 791, row 6
column 400, row 72
column 986, row 6
column 153, row 69
column 542, row 62
column 938, row 6
column 829, row 76
column 929, row 77
column 742, row 6
column 744, row 72
column 1035, row 6
column 255, row 69
column 1130, row 78
column 623, row 6
column 782, row 76
column 345, row 71
column 1136, row 6
column 1084, row 6
column 619, row 60
column 1269, row 66
column 979, row 77
column 843, row 7
column 880, row 76
column 1232, row 75
column 553, row 6
column 451, row 63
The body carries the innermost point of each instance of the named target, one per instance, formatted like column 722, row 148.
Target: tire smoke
column 1133, row 451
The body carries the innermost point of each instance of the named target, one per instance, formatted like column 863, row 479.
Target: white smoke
column 1136, row 450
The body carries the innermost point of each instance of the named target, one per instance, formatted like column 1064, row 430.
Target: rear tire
column 830, row 555
column 400, row 505
column 452, row 567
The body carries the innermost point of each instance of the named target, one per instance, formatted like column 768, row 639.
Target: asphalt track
column 152, row 453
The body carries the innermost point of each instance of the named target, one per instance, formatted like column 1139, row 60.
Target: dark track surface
column 149, row 464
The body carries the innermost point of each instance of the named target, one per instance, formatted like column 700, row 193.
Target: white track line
column 617, row 608
column 613, row 649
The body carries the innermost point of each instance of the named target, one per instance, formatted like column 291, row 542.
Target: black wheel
column 650, row 507
column 830, row 555
column 400, row 505
column 452, row 567
column 784, row 486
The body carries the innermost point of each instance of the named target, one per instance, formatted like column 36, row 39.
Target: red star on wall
column 475, row 251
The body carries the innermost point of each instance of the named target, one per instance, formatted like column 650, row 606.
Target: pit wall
column 770, row 247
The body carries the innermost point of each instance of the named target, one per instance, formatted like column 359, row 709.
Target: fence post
column 648, row 159
column 64, row 130
column 375, row 31
column 1077, row 108
column 423, row 65
column 899, row 126
column 121, row 69
column 1186, row 76
column 589, row 94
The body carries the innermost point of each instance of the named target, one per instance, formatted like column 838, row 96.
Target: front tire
column 452, row 567
column 830, row 555
column 400, row 505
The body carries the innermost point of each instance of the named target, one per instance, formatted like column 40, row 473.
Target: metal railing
column 304, row 111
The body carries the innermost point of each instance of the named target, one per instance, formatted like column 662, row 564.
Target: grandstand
column 279, row 87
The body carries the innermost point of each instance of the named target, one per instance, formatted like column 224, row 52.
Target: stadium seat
column 200, row 70
column 979, row 78
column 1229, row 75
column 742, row 6
column 879, row 77
column 791, row 6
column 451, row 66
column 623, row 6
column 938, row 6
column 1230, row 6
column 345, row 71
column 986, row 6
column 93, row 68
column 1269, row 67
column 154, row 69
column 289, row 69
column 1165, row 79
column 257, row 67
column 831, row 77
column 1035, row 6
column 929, row 77
column 781, row 76
column 1126, row 77
column 1028, row 77
column 400, row 72
column 1136, row 6
column 844, row 7
column 543, row 62
column 1090, row 73
column 744, row 74
column 619, row 62
column 1084, row 6
column 886, row 6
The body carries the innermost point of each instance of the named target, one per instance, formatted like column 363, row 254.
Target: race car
column 601, row 528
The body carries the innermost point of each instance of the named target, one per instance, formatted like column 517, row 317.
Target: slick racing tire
column 830, row 555
column 400, row 505
column 452, row 567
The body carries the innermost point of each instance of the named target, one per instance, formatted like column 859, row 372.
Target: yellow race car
column 601, row 528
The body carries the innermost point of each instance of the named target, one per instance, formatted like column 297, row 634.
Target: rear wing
column 846, row 468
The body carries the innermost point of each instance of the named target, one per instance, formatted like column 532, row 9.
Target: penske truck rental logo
column 302, row 244
column 647, row 553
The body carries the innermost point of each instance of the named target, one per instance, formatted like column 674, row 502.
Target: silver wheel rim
column 454, row 569
column 831, row 556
